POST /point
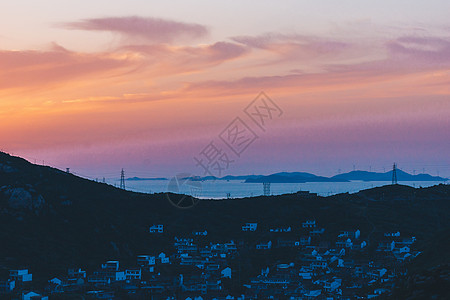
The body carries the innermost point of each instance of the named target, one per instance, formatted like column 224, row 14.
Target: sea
column 222, row 189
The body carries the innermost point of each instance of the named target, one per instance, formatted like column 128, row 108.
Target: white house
column 34, row 296
column 309, row 224
column 392, row 234
column 318, row 264
column 249, row 227
column 313, row 294
column 305, row 274
column 350, row 234
column 157, row 228
column 146, row 260
column 264, row 246
column 378, row 273
column 133, row 274
column 111, row 265
column 76, row 273
column 56, row 281
column 20, row 275
column 163, row 258
column 226, row 273
column 317, row 232
column 7, row 286
column 288, row 229
column 201, row 233
column 404, row 249
column 119, row 276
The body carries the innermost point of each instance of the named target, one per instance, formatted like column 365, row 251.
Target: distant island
column 302, row 177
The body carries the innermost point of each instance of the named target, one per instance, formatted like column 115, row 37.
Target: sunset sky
column 146, row 85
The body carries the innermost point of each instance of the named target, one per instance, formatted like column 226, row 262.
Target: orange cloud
column 150, row 29
column 28, row 69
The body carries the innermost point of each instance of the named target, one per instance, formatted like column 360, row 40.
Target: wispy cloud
column 397, row 58
column 150, row 29
column 166, row 60
column 294, row 46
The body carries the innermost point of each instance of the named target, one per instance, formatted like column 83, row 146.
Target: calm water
column 238, row 189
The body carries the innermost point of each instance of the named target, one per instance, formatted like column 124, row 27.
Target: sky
column 220, row 87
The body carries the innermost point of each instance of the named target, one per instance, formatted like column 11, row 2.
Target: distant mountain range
column 373, row 176
column 301, row 177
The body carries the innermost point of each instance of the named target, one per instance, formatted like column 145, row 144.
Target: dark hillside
column 50, row 220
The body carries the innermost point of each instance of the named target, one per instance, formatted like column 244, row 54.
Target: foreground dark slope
column 50, row 220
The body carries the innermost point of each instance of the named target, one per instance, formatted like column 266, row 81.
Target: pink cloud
column 429, row 50
column 151, row 29
column 400, row 57
column 167, row 60
column 294, row 46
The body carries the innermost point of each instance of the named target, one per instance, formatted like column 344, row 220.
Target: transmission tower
column 122, row 179
column 266, row 186
column 394, row 174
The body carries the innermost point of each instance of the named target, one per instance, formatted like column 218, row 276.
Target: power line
column 266, row 187
column 122, row 179
column 394, row 174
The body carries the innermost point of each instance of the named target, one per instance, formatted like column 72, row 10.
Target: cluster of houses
column 20, row 280
column 331, row 268
column 324, row 266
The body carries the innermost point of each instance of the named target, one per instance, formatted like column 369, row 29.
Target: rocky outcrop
column 21, row 198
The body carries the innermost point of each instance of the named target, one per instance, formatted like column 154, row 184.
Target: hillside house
column 264, row 246
column 281, row 229
column 287, row 243
column 317, row 232
column 312, row 294
column 386, row 246
column 345, row 243
column 305, row 273
column 249, row 227
column 350, row 234
column 226, row 273
column 133, row 274
column 306, row 194
column 55, row 281
column 20, row 275
column 331, row 286
column 359, row 246
column 7, row 286
column 392, row 234
column 305, row 240
column 157, row 228
column 76, row 273
column 146, row 262
column 33, row 296
column 105, row 276
column 200, row 233
column 309, row 224
column 163, row 258
column 318, row 264
column 377, row 274
column 112, row 265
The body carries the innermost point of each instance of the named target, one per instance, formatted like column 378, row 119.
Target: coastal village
column 297, row 261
